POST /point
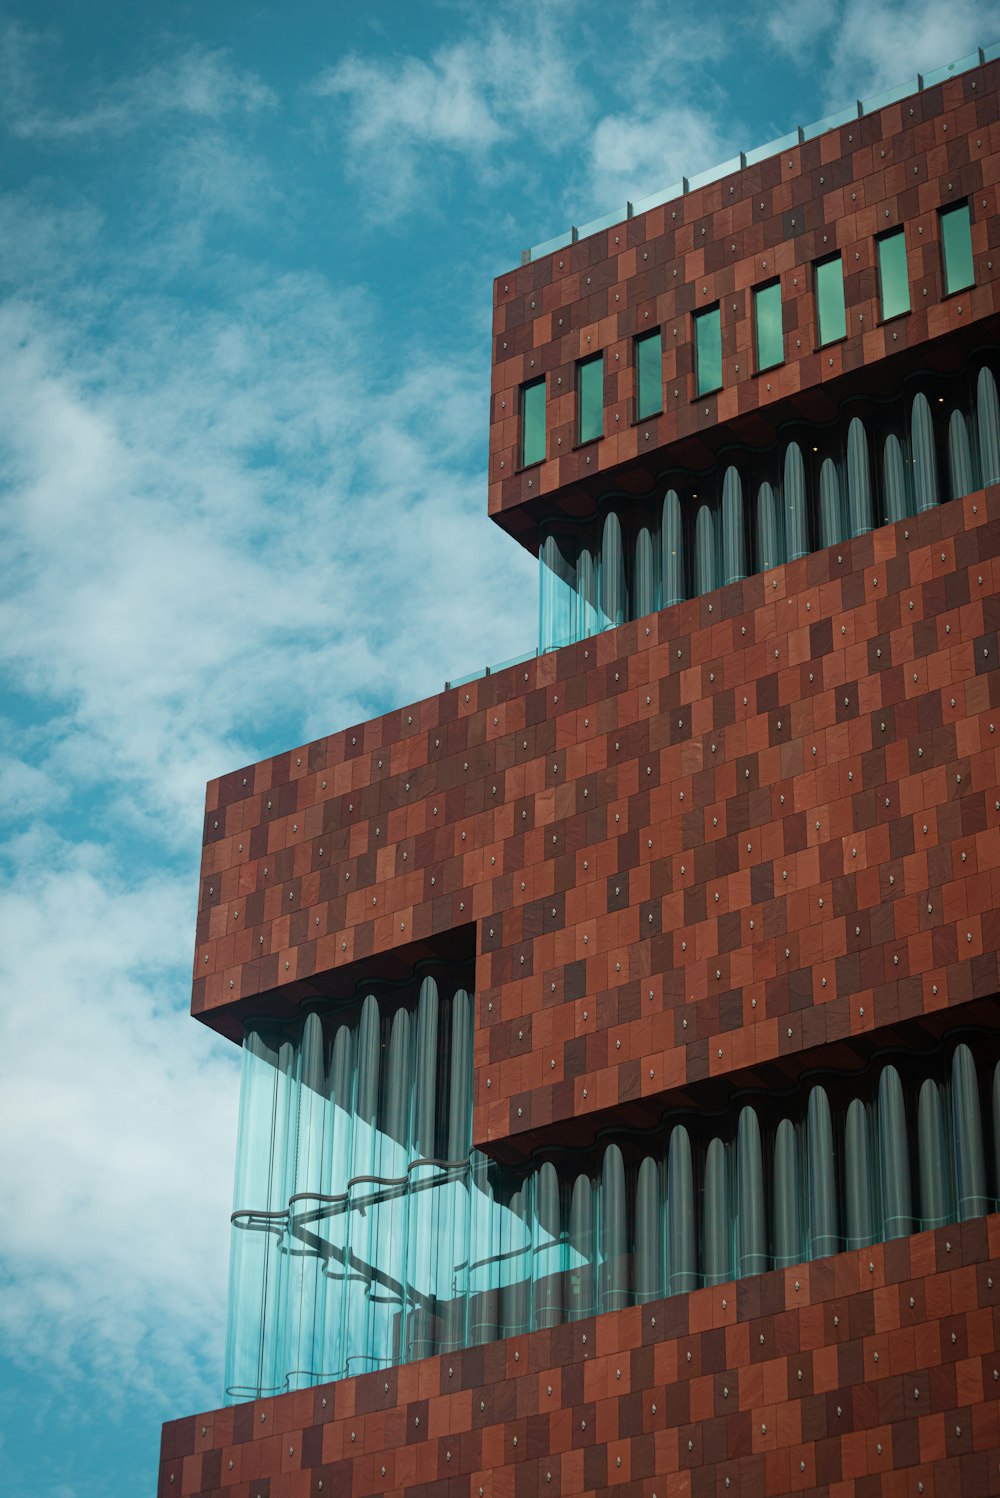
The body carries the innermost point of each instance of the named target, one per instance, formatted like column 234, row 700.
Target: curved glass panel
column 859, row 484
column 715, row 1229
column 614, row 1248
column 967, row 1131
column 831, row 516
column 644, row 592
column 930, row 1148
column 734, row 547
column 581, row 1300
column 787, row 1236
column 751, row 1220
column 824, row 1234
column 859, row 1177
column 648, row 1234
column 959, row 457
column 770, row 528
column 894, row 1157
column 368, row 1231
column 681, row 1253
column 613, row 601
column 923, row 463
column 796, row 520
column 988, row 420
column 672, row 550
column 706, row 573
column 557, row 601
column 894, row 480
column 547, row 1270
column 587, row 594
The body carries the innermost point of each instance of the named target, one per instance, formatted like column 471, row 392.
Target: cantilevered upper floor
column 830, row 264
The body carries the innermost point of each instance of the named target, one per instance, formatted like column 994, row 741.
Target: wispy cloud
column 402, row 117
column 200, row 84
column 865, row 46
column 113, row 1244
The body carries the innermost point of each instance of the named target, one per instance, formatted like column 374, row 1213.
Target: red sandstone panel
column 872, row 1373
column 750, row 825
column 835, row 193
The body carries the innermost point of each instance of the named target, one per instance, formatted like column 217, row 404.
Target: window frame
column 818, row 265
column 773, row 284
column 944, row 212
column 642, row 338
column 581, row 364
column 899, row 232
column 701, row 320
column 525, row 461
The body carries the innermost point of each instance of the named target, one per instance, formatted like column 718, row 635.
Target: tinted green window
column 533, row 422
column 708, row 350
column 590, row 397
column 894, row 283
column 830, row 319
column 956, row 248
column 767, row 326
column 648, row 366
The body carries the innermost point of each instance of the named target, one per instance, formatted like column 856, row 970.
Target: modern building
column 621, row 1100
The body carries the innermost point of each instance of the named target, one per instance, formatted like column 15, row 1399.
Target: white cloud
column 870, row 45
column 404, row 118
column 201, row 85
column 796, row 26
column 118, row 1115
column 632, row 155
column 878, row 43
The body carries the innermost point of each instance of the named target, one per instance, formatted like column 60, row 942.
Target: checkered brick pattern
column 862, row 1375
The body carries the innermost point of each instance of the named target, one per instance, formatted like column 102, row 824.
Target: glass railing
column 367, row 1231
column 761, row 153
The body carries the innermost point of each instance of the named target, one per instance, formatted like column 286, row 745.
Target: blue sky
column 245, row 264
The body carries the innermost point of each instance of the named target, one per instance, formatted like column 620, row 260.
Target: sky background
column 246, row 253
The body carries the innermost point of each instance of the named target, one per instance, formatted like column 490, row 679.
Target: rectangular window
column 894, row 283
column 648, row 375
column 708, row 350
column 533, row 422
column 956, row 248
column 590, row 397
column 767, row 326
column 831, row 322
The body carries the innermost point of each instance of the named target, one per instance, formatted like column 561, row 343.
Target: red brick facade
column 707, row 846
column 836, row 192
column 869, row 1373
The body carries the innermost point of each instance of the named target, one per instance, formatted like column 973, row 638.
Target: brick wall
column 866, row 1374
column 774, row 809
column 833, row 193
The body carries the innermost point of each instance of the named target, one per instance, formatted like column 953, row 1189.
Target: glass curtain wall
column 367, row 1231
column 880, row 462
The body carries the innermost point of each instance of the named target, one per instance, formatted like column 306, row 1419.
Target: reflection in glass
column 831, row 321
column 988, row 419
column 894, row 285
column 590, row 398
column 956, row 248
column 708, row 350
column 894, row 480
column 831, row 509
column 959, row 457
column 533, row 422
column 648, row 379
column 859, row 484
column 672, row 550
column 767, row 326
column 734, row 550
column 796, row 522
column 923, row 464
column 369, row 1232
